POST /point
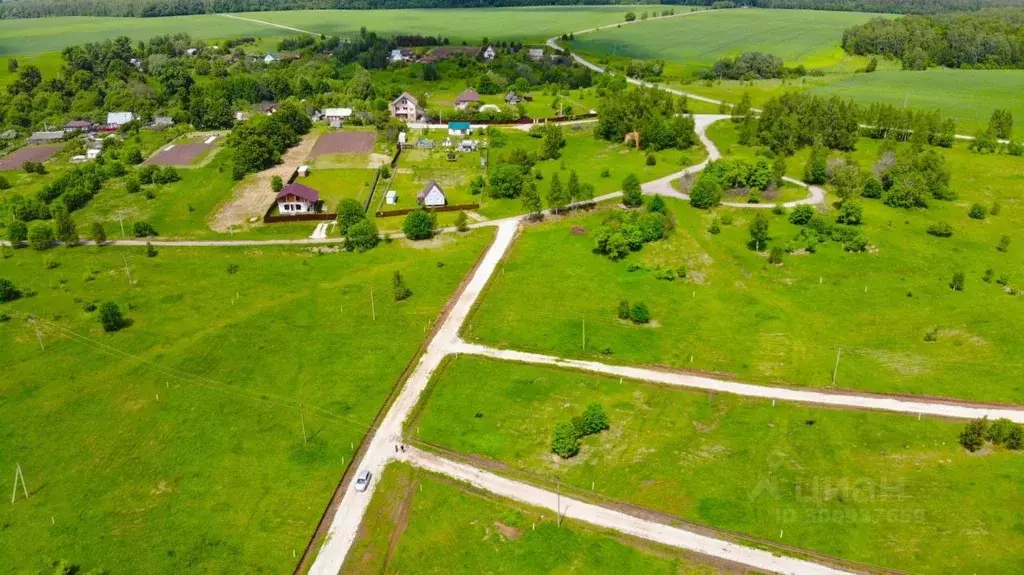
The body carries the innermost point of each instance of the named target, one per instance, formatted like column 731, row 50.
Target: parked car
column 363, row 480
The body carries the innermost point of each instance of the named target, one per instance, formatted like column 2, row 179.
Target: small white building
column 296, row 199
column 400, row 55
column 536, row 54
column 270, row 59
column 117, row 119
column 467, row 146
column 402, row 138
column 459, row 129
column 489, row 53
column 432, row 196
column 192, row 51
column 93, row 153
column 391, row 198
column 303, row 171
column 336, row 116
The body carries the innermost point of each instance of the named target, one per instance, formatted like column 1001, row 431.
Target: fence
column 451, row 208
column 269, row 219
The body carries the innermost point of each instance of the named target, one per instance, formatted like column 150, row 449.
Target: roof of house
column 120, row 117
column 46, row 136
column 337, row 112
column 299, row 191
column 536, row 51
column 468, row 95
column 426, row 189
column 407, row 96
column 78, row 124
column 458, row 125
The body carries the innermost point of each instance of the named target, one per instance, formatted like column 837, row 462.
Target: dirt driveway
column 253, row 195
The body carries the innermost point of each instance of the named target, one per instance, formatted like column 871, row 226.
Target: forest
column 985, row 39
column 154, row 8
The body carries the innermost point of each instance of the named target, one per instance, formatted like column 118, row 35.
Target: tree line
column 886, row 6
column 984, row 39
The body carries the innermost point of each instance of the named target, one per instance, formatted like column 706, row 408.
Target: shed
column 303, row 171
column 335, row 116
column 163, row 121
column 391, row 198
column 432, row 196
column 295, row 199
column 459, row 129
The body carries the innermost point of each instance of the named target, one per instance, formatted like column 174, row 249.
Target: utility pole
column 584, row 334
column 19, row 476
column 836, row 370
column 373, row 308
column 558, row 503
column 127, row 270
column 39, row 336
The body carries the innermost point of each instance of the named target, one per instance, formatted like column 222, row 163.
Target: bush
column 565, row 442
column 651, row 160
column 801, row 215
column 957, row 283
column 605, row 173
column 758, row 229
column 706, row 193
column 1004, row 244
column 1000, row 431
column 872, row 188
column 623, row 309
column 143, row 230
column 419, row 225
column 977, row 212
column 399, row 289
column 97, row 233
column 594, row 420
column 132, row 185
column 133, row 156
column 7, row 291
column 972, row 438
column 850, row 213
column 1015, row 439
column 632, row 195
column 276, row 184
column 17, row 233
column 987, row 278
column 775, row 257
column 4, row 184
column 714, row 229
column 362, row 236
column 110, row 316
column 350, row 213
column 639, row 313
column 462, row 222
column 657, row 205
column 940, row 229
column 150, row 250
column 995, row 209
column 41, row 236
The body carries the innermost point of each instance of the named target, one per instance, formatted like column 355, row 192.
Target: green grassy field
column 177, row 444
column 888, row 490
column 402, row 532
column 785, row 324
column 809, row 37
column 336, row 185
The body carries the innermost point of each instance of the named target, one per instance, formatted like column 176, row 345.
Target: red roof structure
column 469, row 95
column 299, row 191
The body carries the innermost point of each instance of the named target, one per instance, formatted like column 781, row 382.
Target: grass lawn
column 888, row 490
column 176, row 444
column 736, row 314
column 418, row 167
column 336, row 185
column 808, row 37
column 480, row 533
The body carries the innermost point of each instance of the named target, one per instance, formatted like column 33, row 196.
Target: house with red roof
column 469, row 96
column 296, row 199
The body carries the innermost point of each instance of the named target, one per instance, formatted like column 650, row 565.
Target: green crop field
column 176, row 444
column 808, row 37
column 32, row 36
column 420, row 522
column 883, row 489
column 785, row 324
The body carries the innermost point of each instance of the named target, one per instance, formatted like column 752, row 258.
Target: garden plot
column 417, row 168
column 16, row 159
column 347, row 149
column 185, row 153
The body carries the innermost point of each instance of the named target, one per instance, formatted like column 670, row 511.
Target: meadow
column 209, row 434
column 480, row 533
column 739, row 316
column 888, row 490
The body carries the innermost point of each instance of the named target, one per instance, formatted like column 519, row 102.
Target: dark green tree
column 399, row 290
column 632, row 194
column 110, row 316
column 40, row 236
column 419, row 225
column 350, row 213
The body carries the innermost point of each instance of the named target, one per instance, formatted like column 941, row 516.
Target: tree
column 957, row 283
column 419, row 225
column 132, row 185
column 150, row 250
column 741, row 110
column 350, row 213
column 143, row 229
column 97, row 233
column 506, row 181
column 976, row 212
column 362, row 236
column 17, row 233
column 657, row 205
column 462, row 222
column 67, row 232
column 594, row 419
column 850, row 213
column 1004, row 244
column 1000, row 431
column 973, row 436
column 551, row 149
column 399, row 289
column 775, row 256
column 623, row 312
column 847, row 181
column 557, row 198
column 572, row 187
column 531, row 199
column 632, row 195
column 477, row 186
column 801, row 215
column 40, row 236
column 8, row 292
column 565, row 443
column 816, row 169
column 706, row 193
column 4, row 184
column 759, row 230
column 110, row 316
column 640, row 314
column 1001, row 123
column 1015, row 439
column 872, row 187
column 133, row 156
column 276, row 183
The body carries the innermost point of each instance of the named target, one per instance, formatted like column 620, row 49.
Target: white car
column 363, row 480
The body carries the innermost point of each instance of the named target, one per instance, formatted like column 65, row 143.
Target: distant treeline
column 153, row 8
column 985, row 39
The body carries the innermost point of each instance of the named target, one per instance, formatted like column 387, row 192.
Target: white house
column 296, row 199
column 489, row 53
column 270, row 59
column 191, row 51
column 536, row 53
column 400, row 55
column 406, row 107
column 303, row 171
column 432, row 196
column 241, row 116
column 117, row 119
column 335, row 116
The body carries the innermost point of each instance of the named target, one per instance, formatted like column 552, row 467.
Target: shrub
column 972, row 438
column 977, row 212
column 41, row 236
column 872, row 188
column 657, row 205
column 17, row 233
column 232, row 269
column 97, row 233
column 143, row 230
column 132, row 185
column 399, row 289
column 714, row 229
column 362, row 236
column 651, row 160
column 385, row 171
column 419, row 225
column 150, row 250
column 133, row 156
column 775, row 257
column 605, row 173
column 623, row 309
column 957, row 283
column 7, row 291
column 110, row 316
column 1003, row 279
column 639, row 313
column 594, row 419
column 850, row 213
column 758, row 229
column 801, row 215
column 276, row 184
column 940, row 229
column 565, row 442
column 631, row 193
column 462, row 222
column 999, row 431
column 725, row 220
column 987, row 278
column 995, row 209
column 706, row 193
column 1004, row 244
column 667, row 274
column 1015, row 439
column 4, row 184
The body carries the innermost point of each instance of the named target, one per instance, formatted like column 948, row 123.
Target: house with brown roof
column 296, row 199
column 78, row 126
column 406, row 107
column 467, row 97
column 431, row 196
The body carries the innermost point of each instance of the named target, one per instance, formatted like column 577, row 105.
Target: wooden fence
column 405, row 211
